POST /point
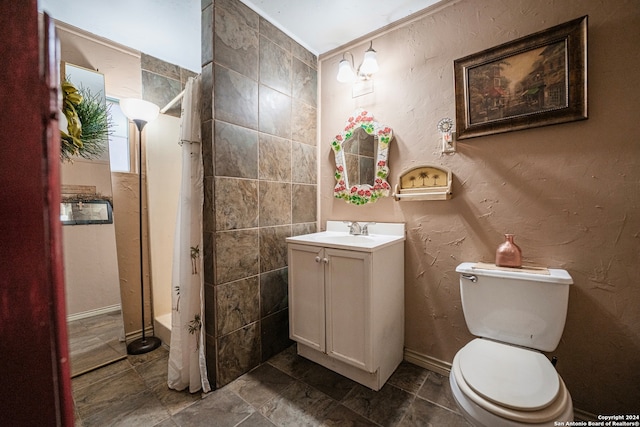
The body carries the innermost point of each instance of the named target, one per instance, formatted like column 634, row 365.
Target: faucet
column 355, row 229
column 365, row 228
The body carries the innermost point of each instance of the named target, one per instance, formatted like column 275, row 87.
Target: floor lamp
column 140, row 112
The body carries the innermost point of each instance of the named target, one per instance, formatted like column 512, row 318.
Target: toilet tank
column 515, row 306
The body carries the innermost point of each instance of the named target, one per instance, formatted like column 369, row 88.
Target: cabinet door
column 348, row 302
column 306, row 295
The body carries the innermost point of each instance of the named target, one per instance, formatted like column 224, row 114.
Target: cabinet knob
column 325, row 260
column 317, row 259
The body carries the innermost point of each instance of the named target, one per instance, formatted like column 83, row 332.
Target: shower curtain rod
column 172, row 102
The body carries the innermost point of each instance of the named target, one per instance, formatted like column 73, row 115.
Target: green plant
column 89, row 124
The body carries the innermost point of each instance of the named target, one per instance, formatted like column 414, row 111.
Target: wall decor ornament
column 427, row 182
column 445, row 127
column 356, row 155
column 88, row 123
column 508, row 254
column 536, row 80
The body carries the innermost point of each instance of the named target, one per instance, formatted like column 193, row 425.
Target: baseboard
column 138, row 334
column 427, row 362
column 96, row 312
column 444, row 368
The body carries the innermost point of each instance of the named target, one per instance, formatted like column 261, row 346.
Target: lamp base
column 143, row 345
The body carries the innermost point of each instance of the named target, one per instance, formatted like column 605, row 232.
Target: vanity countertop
column 337, row 236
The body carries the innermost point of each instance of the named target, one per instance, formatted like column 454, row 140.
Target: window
column 119, row 152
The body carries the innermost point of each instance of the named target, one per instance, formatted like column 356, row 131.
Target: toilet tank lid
column 549, row 275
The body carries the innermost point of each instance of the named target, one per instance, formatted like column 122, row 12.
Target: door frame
column 33, row 334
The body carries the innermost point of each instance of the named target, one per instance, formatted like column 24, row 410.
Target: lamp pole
column 141, row 112
column 144, row 344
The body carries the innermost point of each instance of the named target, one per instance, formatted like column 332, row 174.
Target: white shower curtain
column 187, row 365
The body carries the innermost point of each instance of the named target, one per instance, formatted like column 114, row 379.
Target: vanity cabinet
column 346, row 308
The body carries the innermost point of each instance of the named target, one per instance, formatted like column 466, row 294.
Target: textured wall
column 259, row 142
column 569, row 192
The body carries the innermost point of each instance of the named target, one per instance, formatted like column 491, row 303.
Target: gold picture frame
column 536, row 80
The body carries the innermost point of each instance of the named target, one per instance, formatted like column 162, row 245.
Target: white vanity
column 346, row 299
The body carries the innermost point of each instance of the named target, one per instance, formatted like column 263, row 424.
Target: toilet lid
column 510, row 376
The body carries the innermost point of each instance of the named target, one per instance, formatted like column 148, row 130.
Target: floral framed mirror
column 361, row 154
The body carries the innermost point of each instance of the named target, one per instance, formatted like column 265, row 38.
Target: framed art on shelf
column 536, row 80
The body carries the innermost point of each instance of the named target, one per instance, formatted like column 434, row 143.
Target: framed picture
column 537, row 80
column 88, row 212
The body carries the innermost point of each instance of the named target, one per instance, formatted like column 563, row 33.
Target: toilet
column 502, row 378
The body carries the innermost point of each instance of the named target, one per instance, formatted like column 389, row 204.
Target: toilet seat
column 510, row 382
column 509, row 376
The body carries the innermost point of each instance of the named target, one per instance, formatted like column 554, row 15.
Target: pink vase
column 508, row 253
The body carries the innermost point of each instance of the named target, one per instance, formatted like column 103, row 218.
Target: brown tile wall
column 162, row 82
column 259, row 145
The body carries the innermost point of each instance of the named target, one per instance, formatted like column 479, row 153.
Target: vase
column 508, row 253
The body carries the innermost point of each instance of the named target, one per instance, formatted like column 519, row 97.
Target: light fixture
column 140, row 112
column 370, row 62
column 368, row 67
column 345, row 70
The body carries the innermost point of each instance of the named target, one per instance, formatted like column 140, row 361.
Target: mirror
column 89, row 212
column 361, row 153
column 92, row 282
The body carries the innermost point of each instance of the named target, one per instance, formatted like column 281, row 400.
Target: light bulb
column 369, row 63
column 345, row 72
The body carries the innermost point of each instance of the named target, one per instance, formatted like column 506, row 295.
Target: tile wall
column 162, row 81
column 260, row 162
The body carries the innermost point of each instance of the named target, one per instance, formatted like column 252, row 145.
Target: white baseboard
column 96, row 312
column 444, row 368
column 427, row 362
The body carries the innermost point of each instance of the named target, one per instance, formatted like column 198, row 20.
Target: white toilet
column 501, row 379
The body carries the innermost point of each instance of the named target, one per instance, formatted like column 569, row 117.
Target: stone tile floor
column 287, row 390
column 96, row 341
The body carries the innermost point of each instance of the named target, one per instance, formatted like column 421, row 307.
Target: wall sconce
column 346, row 73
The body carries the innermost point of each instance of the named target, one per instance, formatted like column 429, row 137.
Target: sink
column 343, row 240
column 351, row 239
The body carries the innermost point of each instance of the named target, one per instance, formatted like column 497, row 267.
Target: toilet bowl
column 498, row 385
column 501, row 378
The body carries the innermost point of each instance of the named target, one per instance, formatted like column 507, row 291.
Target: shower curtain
column 187, row 365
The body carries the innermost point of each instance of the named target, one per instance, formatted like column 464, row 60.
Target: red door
column 34, row 366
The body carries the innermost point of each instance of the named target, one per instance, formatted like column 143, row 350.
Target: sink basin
column 351, row 239
column 344, row 240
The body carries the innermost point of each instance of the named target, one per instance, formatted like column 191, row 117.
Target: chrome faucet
column 365, row 228
column 355, row 229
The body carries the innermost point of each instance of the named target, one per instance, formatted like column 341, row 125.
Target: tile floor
column 287, row 390
column 95, row 341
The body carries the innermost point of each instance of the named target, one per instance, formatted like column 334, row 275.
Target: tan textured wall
column 569, row 192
